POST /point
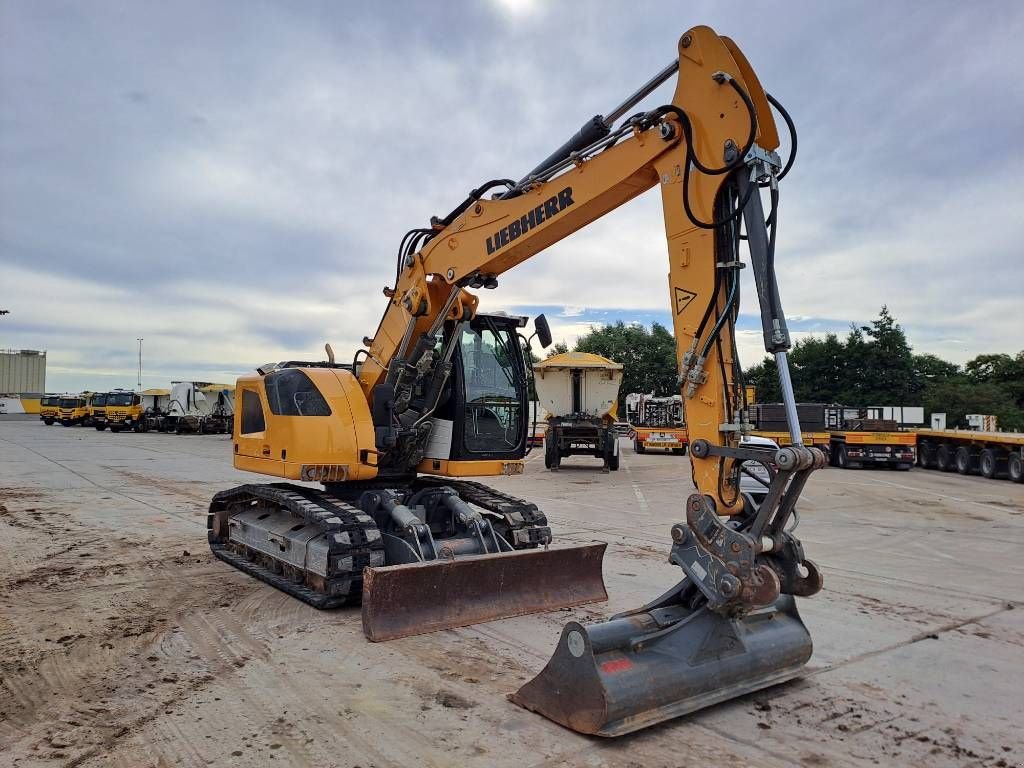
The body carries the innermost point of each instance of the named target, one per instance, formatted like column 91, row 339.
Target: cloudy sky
column 230, row 180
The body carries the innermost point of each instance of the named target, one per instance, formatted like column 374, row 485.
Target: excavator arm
column 708, row 150
column 730, row 626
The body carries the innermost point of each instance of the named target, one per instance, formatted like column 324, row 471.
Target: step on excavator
column 439, row 393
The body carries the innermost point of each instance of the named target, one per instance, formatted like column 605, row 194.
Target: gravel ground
column 124, row 643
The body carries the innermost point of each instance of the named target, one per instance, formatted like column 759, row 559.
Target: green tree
column 960, row 396
column 1002, row 370
column 888, row 377
column 557, row 348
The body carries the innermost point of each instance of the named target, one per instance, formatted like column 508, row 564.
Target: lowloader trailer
column 989, row 454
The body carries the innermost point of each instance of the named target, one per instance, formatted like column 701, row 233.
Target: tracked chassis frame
column 315, row 544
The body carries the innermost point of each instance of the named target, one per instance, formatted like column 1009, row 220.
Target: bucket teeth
column 629, row 673
column 417, row 598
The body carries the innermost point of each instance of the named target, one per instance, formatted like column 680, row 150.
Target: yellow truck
column 74, row 409
column 49, row 409
column 98, row 410
column 124, row 411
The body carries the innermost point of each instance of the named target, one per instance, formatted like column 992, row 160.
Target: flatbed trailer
column 812, row 438
column 855, row 449
column 990, row 454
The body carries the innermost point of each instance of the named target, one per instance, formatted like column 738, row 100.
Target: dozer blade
column 619, row 676
column 413, row 599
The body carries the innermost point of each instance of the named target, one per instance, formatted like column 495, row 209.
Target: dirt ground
column 124, row 643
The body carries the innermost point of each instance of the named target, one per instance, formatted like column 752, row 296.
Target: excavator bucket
column 639, row 669
column 416, row 598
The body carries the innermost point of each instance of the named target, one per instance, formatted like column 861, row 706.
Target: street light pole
column 140, row 363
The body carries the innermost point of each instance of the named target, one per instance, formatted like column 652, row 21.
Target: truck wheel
column 988, row 463
column 944, row 458
column 48, row 422
column 638, row 447
column 962, row 460
column 547, row 455
column 1015, row 467
column 842, row 460
column 100, row 427
column 613, row 453
column 114, row 429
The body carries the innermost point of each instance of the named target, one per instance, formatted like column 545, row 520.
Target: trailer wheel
column 931, row 456
column 638, row 446
column 962, row 459
column 944, row 458
column 1015, row 467
column 988, row 463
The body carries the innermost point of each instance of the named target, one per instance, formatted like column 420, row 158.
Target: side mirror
column 540, row 325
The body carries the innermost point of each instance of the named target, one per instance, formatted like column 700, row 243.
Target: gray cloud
column 231, row 180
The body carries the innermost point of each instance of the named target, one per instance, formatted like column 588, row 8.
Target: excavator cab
column 422, row 551
column 482, row 415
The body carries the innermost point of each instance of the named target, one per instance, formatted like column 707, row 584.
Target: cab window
column 290, row 392
column 493, row 398
column 252, row 413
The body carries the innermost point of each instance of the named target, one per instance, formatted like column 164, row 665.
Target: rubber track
column 282, row 495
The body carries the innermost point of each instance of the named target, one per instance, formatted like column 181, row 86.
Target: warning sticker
column 683, row 299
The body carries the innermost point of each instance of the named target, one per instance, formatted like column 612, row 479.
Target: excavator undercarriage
column 485, row 552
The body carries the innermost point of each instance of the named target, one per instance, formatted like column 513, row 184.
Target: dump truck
column 657, row 423
column 580, row 393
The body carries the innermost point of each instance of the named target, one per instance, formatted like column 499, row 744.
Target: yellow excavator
column 440, row 392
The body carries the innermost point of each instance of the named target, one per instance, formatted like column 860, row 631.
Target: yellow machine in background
column 440, row 391
column 74, row 409
column 49, row 409
column 124, row 410
column 98, row 410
